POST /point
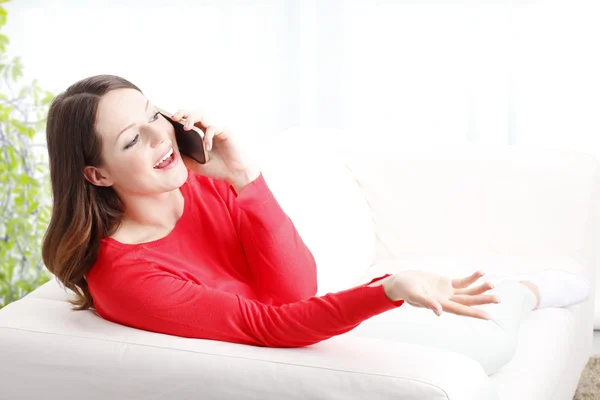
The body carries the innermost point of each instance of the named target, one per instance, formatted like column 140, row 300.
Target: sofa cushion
column 566, row 332
column 78, row 354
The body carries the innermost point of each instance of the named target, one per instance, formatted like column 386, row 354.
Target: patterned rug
column 589, row 384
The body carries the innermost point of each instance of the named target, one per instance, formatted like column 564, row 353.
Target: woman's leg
column 490, row 342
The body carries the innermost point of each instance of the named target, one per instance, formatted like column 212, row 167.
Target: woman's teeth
column 164, row 158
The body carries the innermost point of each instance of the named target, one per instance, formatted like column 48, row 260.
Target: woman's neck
column 149, row 217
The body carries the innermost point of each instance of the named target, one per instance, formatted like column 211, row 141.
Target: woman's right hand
column 438, row 293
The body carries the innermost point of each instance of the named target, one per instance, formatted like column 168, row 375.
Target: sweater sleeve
column 150, row 298
column 282, row 265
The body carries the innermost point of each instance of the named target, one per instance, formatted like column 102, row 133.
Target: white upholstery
column 553, row 343
column 327, row 206
column 72, row 355
column 448, row 210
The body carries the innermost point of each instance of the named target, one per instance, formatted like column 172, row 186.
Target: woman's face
column 135, row 138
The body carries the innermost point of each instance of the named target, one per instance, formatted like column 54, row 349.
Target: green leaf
column 24, row 286
column 25, row 192
column 47, row 99
column 5, row 113
column 26, row 179
column 21, row 127
column 30, row 132
column 4, row 293
column 2, row 16
column 3, row 42
column 33, row 207
column 9, row 267
column 17, row 69
column 23, row 92
column 12, row 159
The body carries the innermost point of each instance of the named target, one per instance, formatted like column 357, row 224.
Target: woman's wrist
column 389, row 288
column 243, row 178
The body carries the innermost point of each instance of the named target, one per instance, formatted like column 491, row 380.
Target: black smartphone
column 190, row 143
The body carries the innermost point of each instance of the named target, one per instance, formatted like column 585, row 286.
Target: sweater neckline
column 178, row 225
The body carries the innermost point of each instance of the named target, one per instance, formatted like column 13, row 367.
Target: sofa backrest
column 442, row 199
column 479, row 199
column 319, row 193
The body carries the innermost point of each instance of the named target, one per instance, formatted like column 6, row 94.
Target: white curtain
column 494, row 72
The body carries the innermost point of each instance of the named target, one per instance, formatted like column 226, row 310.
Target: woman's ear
column 96, row 176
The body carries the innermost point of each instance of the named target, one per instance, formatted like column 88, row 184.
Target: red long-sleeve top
column 233, row 269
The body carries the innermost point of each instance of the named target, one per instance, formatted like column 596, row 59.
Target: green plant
column 24, row 181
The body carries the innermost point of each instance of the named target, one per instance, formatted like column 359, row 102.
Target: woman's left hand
column 225, row 161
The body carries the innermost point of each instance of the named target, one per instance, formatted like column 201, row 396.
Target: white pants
column 490, row 342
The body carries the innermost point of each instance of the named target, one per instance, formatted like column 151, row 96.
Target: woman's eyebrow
column 132, row 124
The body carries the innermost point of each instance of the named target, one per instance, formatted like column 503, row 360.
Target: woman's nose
column 157, row 136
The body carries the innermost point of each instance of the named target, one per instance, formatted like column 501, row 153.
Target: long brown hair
column 82, row 213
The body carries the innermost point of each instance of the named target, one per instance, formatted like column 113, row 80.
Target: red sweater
column 233, row 269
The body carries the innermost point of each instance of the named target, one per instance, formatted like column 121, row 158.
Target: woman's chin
column 177, row 176
column 182, row 173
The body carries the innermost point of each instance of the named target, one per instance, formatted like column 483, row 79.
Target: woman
column 161, row 243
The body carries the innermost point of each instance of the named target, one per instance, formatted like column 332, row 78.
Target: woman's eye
column 155, row 117
column 133, row 142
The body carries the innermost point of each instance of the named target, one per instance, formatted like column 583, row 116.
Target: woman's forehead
column 119, row 108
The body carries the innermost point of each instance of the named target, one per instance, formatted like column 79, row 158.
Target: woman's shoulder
column 116, row 277
column 200, row 184
column 112, row 254
column 115, row 263
column 197, row 180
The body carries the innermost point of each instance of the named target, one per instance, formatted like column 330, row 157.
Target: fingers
column 181, row 116
column 194, row 119
column 476, row 289
column 178, row 115
column 433, row 305
column 190, row 119
column 468, row 300
column 209, row 134
column 462, row 283
column 459, row 309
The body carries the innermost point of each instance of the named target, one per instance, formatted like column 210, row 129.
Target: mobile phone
column 190, row 143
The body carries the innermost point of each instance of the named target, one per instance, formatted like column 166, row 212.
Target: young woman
column 161, row 243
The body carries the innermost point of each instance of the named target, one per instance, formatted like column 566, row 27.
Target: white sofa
column 449, row 209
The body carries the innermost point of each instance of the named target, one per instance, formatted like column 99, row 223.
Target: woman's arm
column 147, row 297
column 282, row 265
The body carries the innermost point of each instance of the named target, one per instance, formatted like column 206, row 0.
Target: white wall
column 505, row 72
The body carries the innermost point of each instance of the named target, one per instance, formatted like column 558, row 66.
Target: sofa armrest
column 78, row 354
